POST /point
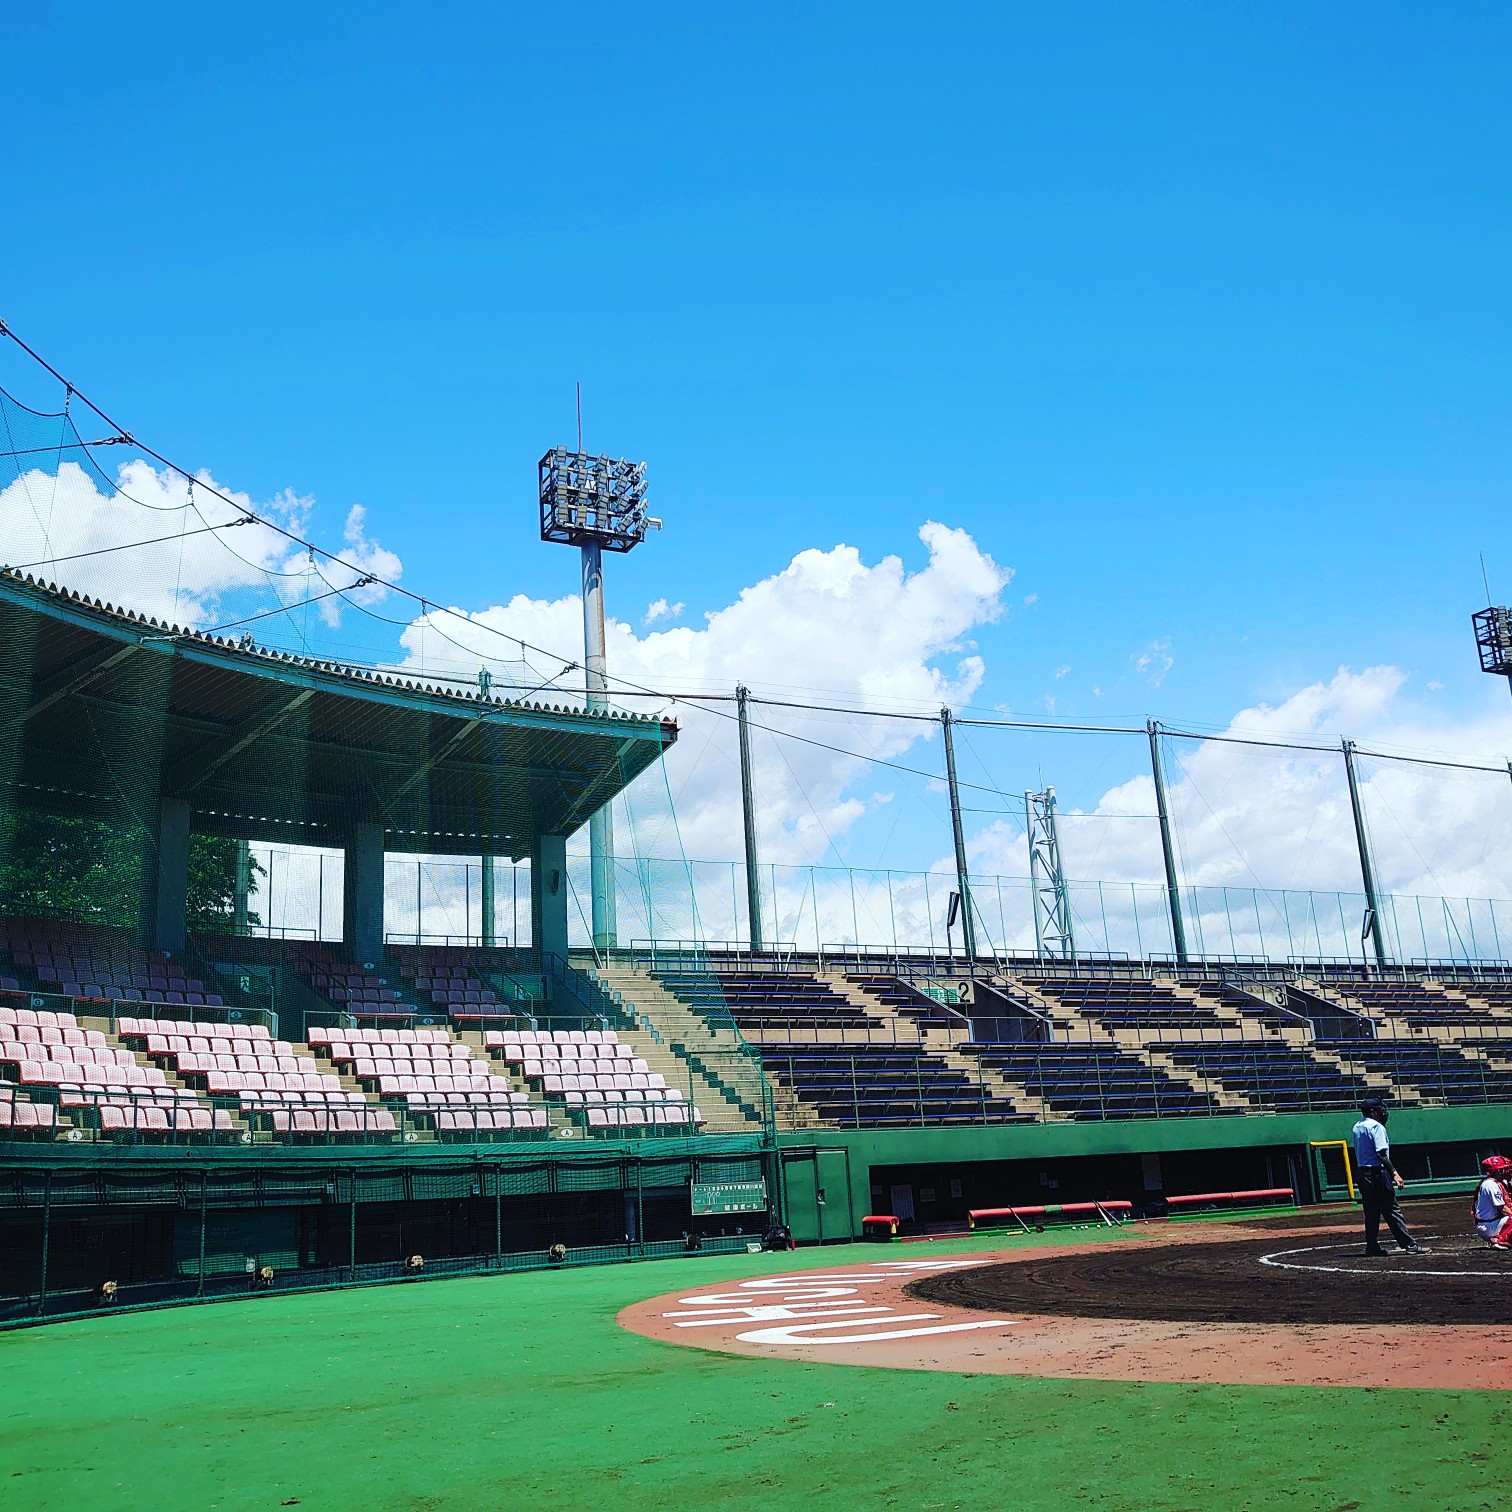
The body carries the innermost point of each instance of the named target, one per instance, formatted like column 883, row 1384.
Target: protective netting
column 852, row 814
column 93, row 512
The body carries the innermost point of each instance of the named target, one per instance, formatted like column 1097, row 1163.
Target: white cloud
column 831, row 627
column 63, row 527
column 1061, row 672
column 371, row 560
column 1031, row 599
column 1155, row 661
column 863, row 635
column 662, row 610
column 1265, row 821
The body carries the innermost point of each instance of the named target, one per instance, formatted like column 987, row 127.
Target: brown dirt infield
column 1204, row 1302
column 1321, row 1277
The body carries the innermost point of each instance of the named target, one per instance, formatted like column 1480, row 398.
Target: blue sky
column 1196, row 317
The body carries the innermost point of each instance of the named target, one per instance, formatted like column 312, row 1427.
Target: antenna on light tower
column 597, row 505
column 1054, row 936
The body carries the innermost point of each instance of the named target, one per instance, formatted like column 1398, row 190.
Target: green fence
column 824, row 909
column 77, row 1239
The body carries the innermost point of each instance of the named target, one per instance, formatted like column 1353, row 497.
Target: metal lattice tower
column 1054, row 935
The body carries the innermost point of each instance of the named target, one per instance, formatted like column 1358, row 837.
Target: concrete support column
column 548, row 895
column 488, row 934
column 170, row 879
column 362, row 894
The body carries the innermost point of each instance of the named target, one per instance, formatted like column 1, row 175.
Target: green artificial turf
column 520, row 1391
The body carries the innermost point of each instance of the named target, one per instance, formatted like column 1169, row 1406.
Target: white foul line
column 1276, row 1260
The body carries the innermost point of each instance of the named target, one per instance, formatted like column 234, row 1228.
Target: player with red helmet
column 1493, row 1202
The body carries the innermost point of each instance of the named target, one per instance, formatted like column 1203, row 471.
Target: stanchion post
column 498, row 1178
column 46, row 1241
column 640, row 1211
column 199, row 1288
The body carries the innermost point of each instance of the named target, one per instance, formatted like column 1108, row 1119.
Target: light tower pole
column 598, row 506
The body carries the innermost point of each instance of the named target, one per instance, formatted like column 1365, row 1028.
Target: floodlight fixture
column 1493, row 639
column 588, row 500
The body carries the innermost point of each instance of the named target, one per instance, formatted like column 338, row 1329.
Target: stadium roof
column 102, row 711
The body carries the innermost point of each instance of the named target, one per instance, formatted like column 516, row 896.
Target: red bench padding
column 1262, row 1194
column 1053, row 1210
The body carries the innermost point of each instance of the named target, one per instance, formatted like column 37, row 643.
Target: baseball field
column 529, row 1390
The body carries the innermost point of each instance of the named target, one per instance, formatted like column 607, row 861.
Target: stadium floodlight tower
column 598, row 506
column 1493, row 639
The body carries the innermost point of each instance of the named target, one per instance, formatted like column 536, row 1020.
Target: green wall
column 852, row 1155
column 826, row 1175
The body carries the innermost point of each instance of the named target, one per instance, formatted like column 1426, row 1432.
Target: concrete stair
column 238, row 1118
column 1237, row 1026
column 1189, row 1076
column 940, row 1043
column 1459, row 997
column 688, row 1050
column 1409, row 1026
column 1080, row 1029
column 1071, row 1026
column 1297, row 1035
column 1401, row 1092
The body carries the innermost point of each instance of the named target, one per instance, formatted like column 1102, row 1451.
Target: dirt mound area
column 1299, row 1273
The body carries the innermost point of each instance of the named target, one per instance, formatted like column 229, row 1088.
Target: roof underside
column 102, row 712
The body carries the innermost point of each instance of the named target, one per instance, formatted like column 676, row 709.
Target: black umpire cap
column 1375, row 1105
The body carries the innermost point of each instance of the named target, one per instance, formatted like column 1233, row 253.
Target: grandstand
column 185, row 1101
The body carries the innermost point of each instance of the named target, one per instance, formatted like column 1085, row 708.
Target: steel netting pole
column 199, row 1289
column 1167, row 847
column 640, row 1211
column 1367, row 870
column 352, row 1228
column 958, row 838
column 748, row 818
column 46, row 1241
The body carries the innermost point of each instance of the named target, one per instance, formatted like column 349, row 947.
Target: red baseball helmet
column 1496, row 1165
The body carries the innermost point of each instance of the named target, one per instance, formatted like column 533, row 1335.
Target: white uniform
column 1492, row 1210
